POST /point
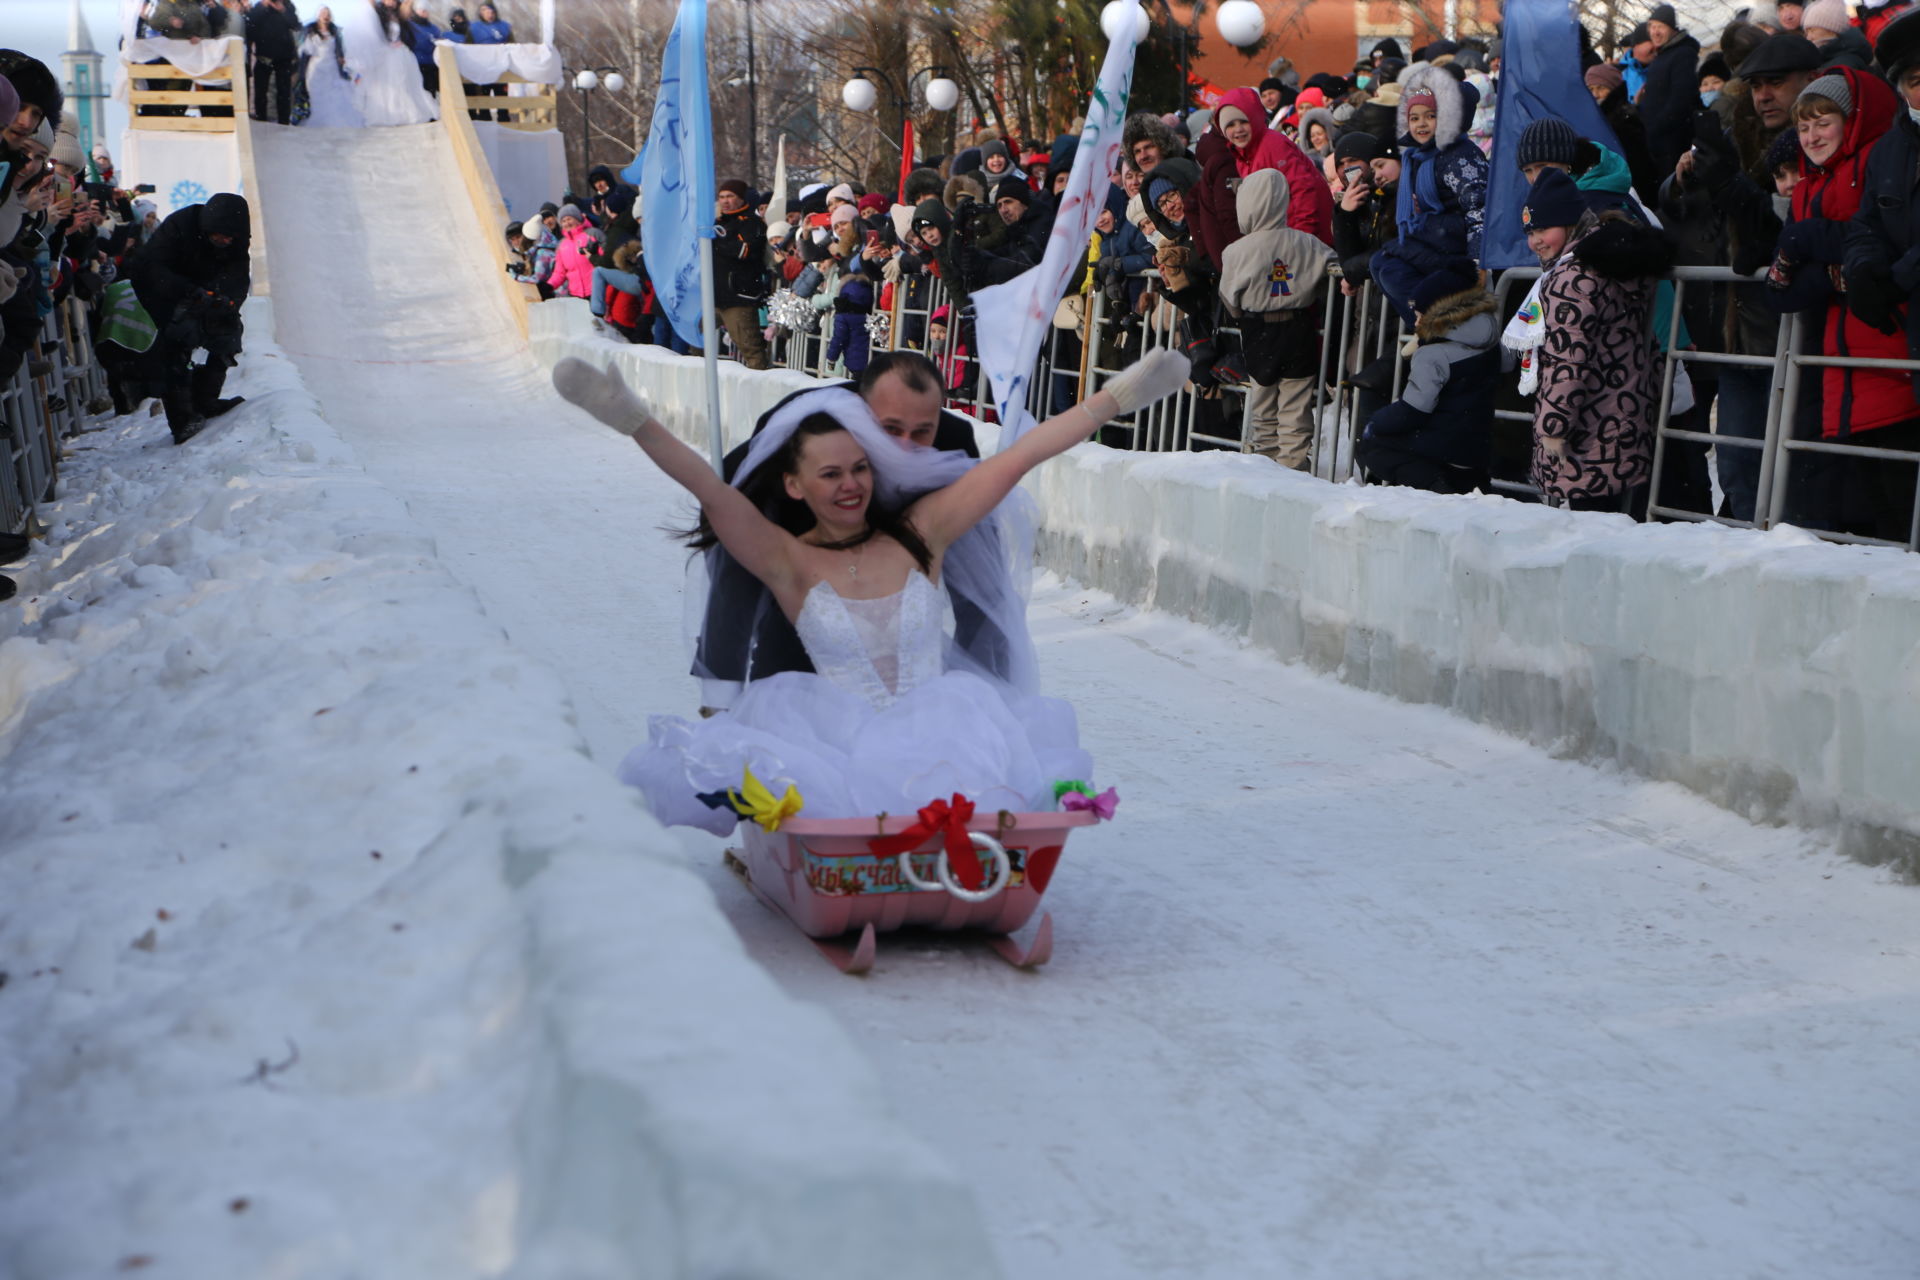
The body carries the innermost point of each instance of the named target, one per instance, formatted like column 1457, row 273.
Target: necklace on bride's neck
column 853, row 562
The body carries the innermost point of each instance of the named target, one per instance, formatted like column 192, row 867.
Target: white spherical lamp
column 1114, row 17
column 943, row 94
column 1241, row 22
column 615, row 82
column 587, row 80
column 859, row 94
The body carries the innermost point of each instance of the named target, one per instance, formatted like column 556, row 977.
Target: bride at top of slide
column 389, row 90
column 890, row 720
column 330, row 77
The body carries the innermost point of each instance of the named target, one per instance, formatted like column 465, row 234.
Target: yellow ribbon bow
column 755, row 801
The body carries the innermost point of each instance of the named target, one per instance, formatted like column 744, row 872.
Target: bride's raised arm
column 762, row 547
column 943, row 515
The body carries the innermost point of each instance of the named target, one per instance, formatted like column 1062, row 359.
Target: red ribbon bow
column 949, row 821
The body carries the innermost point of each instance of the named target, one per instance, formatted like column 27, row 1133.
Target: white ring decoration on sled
column 996, row 854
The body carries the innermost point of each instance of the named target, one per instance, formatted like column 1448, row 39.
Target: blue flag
column 675, row 173
column 1540, row 77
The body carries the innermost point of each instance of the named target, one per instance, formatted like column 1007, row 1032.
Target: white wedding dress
column 389, row 90
column 882, row 728
column 333, row 97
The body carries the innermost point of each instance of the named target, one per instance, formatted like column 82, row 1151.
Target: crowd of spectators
column 1782, row 149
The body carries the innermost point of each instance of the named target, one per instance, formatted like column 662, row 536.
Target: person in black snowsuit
column 192, row 277
column 273, row 41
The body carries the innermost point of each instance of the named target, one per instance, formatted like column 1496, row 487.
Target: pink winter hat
column 1828, row 15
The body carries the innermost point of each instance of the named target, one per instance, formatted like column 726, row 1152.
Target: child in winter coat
column 1442, row 199
column 1599, row 378
column 541, row 244
column 851, row 307
column 1438, row 435
column 1273, row 280
column 573, row 258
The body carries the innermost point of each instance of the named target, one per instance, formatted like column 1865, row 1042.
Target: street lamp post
column 753, row 105
column 586, row 80
column 940, row 92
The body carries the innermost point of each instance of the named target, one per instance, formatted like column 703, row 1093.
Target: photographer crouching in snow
column 183, row 293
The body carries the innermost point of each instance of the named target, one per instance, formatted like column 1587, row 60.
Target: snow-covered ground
column 1351, row 988
column 325, row 950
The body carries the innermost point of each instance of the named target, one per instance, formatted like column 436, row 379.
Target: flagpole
column 710, row 335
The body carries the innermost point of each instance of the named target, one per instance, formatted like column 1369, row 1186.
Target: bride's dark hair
column 767, row 489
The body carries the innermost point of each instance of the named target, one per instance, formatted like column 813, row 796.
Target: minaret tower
column 86, row 90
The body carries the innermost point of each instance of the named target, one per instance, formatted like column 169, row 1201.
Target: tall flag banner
column 1540, row 78
column 675, row 172
column 1011, row 320
column 777, row 206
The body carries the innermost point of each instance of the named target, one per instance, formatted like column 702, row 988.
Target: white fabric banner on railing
column 486, row 63
column 200, row 59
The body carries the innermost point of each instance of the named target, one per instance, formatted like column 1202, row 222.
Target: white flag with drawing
column 1011, row 320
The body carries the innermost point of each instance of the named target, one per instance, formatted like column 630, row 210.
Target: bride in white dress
column 890, row 722
column 389, row 90
column 330, row 77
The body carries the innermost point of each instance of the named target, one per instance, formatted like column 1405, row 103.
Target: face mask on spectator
column 1782, row 206
column 1709, row 96
column 1913, row 114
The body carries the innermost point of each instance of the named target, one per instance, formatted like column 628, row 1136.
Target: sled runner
column 945, row 868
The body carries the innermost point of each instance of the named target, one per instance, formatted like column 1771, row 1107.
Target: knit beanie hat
column 841, row 192
column 1606, row 73
column 1784, row 153
column 842, row 213
column 1548, row 141
column 1357, row 146
column 1455, row 275
column 1664, row 13
column 1419, row 98
column 1012, row 188
column 995, row 148
column 1227, row 115
column 572, row 211
column 1828, row 15
column 872, row 202
column 1553, row 202
column 1714, row 65
column 738, row 188
column 66, row 145
column 1831, row 86
column 779, row 230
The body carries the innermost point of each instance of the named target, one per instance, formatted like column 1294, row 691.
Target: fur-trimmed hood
column 962, row 184
column 1454, row 103
column 1324, row 118
column 1619, row 248
column 1455, row 310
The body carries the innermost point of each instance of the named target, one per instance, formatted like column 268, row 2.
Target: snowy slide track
column 1351, row 988
column 327, row 951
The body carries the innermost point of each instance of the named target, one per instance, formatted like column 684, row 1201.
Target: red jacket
column 1311, row 210
column 1853, row 399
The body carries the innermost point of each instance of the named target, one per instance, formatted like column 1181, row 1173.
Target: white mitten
column 602, row 393
column 1152, row 377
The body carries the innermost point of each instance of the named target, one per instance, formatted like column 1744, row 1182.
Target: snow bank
column 324, row 948
column 1773, row 673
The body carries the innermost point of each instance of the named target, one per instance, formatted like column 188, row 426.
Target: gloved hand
column 1874, row 298
column 602, row 393
column 1153, row 377
column 1715, row 164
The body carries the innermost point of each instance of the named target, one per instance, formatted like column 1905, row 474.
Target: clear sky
column 39, row 27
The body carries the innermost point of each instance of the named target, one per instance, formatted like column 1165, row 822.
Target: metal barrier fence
column 1359, row 330
column 39, row 410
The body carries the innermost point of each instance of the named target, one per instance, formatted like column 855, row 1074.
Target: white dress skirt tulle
column 333, row 97
column 880, row 729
